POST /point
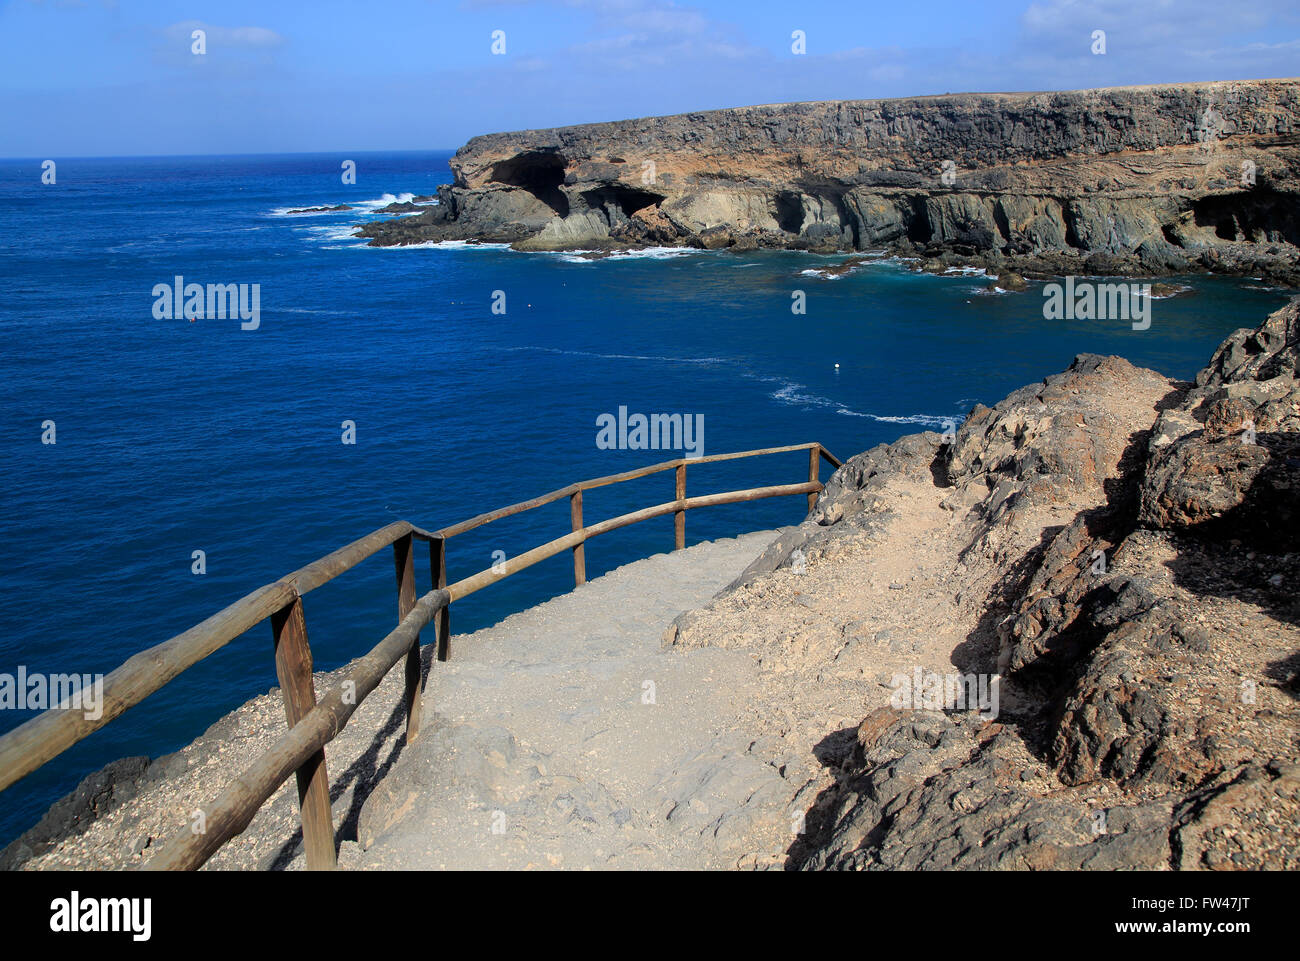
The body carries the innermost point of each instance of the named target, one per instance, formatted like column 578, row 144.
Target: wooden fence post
column 579, row 550
column 679, row 517
column 404, row 561
column 814, row 472
column 442, row 620
column 293, row 667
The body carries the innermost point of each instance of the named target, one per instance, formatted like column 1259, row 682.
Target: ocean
column 174, row 437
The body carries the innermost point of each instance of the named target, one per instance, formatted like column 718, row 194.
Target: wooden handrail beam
column 555, row 495
column 345, row 558
column 43, row 738
column 476, row 582
column 49, row 734
column 237, row 805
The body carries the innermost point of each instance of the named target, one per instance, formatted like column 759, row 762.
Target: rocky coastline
column 1134, row 181
column 1118, row 549
column 1123, row 556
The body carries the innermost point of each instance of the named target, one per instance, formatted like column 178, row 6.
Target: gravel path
column 567, row 736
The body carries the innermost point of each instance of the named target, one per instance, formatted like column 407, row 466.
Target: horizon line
column 209, row 156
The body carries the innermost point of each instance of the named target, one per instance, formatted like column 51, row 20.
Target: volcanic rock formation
column 1148, row 180
column 1123, row 554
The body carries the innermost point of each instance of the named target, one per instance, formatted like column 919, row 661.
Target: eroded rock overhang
column 1166, row 177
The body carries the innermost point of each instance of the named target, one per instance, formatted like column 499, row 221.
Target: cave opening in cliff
column 916, row 220
column 619, row 198
column 539, row 172
column 1260, row 215
column 787, row 209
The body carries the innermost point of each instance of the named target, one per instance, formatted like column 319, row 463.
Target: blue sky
column 117, row 77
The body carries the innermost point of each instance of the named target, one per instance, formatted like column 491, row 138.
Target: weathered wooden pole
column 441, row 620
column 814, row 471
column 404, row 561
column 679, row 517
column 579, row 550
column 293, row 667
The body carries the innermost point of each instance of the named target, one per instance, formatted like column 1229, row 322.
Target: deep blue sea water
column 175, row 436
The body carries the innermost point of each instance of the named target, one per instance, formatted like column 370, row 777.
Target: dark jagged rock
column 95, row 796
column 937, row 791
column 1131, row 180
column 1147, row 656
column 321, row 210
column 400, row 207
column 1227, row 459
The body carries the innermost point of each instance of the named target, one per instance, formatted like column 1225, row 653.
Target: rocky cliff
column 1148, row 180
column 1122, row 551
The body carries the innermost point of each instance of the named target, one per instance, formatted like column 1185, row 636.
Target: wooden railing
column 313, row 724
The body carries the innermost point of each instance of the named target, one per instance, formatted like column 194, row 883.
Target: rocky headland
column 1140, row 181
column 1108, row 557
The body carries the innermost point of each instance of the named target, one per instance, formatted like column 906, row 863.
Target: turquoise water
column 174, row 436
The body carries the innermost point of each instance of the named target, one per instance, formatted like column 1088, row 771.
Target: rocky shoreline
column 1124, row 557
column 1118, row 549
column 1134, row 181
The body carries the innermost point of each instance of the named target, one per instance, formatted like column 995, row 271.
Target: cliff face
column 1147, row 179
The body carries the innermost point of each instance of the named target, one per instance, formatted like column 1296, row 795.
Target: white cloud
column 246, row 38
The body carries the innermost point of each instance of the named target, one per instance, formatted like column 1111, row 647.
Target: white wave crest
column 928, row 420
column 445, row 245
column 644, row 253
column 707, row 361
column 336, row 235
column 358, row 207
column 794, row 394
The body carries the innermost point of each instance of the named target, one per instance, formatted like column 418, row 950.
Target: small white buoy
column 837, row 366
